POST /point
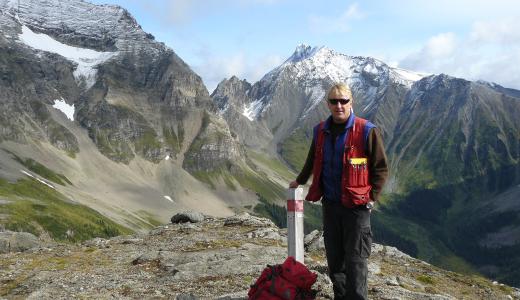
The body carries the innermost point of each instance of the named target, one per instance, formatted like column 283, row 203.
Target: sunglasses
column 342, row 101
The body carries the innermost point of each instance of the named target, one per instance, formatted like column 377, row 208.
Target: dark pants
column 348, row 239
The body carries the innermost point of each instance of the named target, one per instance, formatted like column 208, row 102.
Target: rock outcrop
column 17, row 241
column 213, row 259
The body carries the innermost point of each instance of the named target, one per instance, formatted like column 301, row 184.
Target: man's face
column 340, row 112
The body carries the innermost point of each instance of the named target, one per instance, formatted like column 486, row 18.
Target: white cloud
column 504, row 31
column 336, row 23
column 213, row 69
column 491, row 52
column 434, row 54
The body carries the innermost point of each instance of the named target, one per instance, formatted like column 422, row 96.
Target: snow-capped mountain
column 86, row 92
column 83, row 33
column 291, row 95
column 101, row 27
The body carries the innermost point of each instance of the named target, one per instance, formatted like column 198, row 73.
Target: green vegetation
column 212, row 177
column 262, row 185
column 425, row 279
column 59, row 136
column 421, row 239
column 122, row 145
column 115, row 149
column 34, row 206
column 246, row 178
column 151, row 218
column 420, row 176
column 272, row 164
column 278, row 214
column 312, row 217
column 171, row 139
column 146, row 143
column 295, row 148
column 214, row 134
column 42, row 170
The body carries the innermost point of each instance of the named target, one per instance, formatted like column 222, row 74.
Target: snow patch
column 316, row 96
column 252, row 110
column 371, row 69
column 65, row 108
column 167, row 157
column 409, row 75
column 168, row 198
column 32, row 176
column 86, row 59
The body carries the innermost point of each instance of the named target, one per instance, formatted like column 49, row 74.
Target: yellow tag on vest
column 358, row 161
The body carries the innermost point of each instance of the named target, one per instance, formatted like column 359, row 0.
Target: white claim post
column 295, row 223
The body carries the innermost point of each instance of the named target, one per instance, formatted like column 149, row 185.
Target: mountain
column 287, row 100
column 216, row 258
column 96, row 113
column 453, row 147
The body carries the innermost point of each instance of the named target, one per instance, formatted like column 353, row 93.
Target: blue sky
column 473, row 39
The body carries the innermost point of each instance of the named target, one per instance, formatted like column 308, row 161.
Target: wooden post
column 295, row 224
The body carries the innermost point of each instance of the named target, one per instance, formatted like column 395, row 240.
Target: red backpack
column 288, row 281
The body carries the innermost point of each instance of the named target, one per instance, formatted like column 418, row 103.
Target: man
column 349, row 167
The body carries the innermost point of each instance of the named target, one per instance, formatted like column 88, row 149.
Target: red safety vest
column 355, row 178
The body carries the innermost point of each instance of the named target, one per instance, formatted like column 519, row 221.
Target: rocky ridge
column 216, row 258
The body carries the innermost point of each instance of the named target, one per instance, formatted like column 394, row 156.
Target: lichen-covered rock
column 245, row 219
column 17, row 241
column 314, row 241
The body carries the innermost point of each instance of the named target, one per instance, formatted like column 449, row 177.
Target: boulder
column 314, row 241
column 187, row 216
column 245, row 219
column 17, row 241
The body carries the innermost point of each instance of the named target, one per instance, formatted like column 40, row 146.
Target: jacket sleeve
column 307, row 168
column 378, row 164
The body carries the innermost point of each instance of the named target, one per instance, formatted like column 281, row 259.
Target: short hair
column 342, row 88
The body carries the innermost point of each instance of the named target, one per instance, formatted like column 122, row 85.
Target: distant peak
column 234, row 79
column 303, row 52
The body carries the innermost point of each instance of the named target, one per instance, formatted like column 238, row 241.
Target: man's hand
column 294, row 184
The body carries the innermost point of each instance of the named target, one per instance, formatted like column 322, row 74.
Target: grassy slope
column 32, row 207
column 295, row 148
column 43, row 171
column 266, row 176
